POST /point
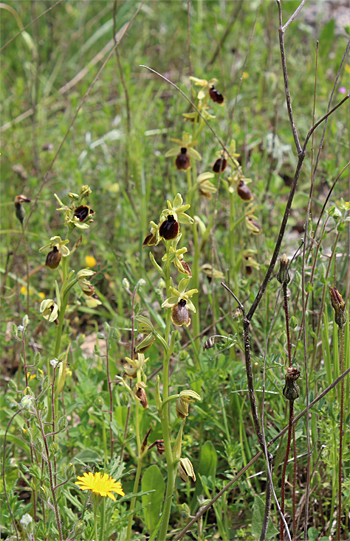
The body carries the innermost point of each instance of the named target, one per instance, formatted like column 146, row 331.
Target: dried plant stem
column 110, row 391
column 27, row 264
column 286, row 311
column 295, row 473
column 51, row 476
column 341, row 425
column 205, row 508
column 290, row 425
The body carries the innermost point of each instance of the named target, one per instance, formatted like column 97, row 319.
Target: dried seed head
column 220, row 165
column 183, row 161
column 215, row 95
column 283, row 274
column 180, row 314
column 53, row 258
column 338, row 306
column 291, row 390
column 244, row 192
column 169, row 229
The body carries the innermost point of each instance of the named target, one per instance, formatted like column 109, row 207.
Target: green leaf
column 258, row 518
column 152, row 480
column 208, row 460
column 312, row 534
column 88, row 455
column 120, row 415
column 326, row 38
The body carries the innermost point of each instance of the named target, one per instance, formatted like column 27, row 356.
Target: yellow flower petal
column 104, row 485
column 90, row 261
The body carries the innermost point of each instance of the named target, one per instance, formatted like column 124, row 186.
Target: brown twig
column 233, row 18
column 205, row 508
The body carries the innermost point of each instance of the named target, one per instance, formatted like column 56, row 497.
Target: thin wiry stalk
column 233, row 18
column 290, row 425
column 29, row 24
column 205, row 508
column 341, row 427
column 3, row 471
column 269, row 462
column 127, row 104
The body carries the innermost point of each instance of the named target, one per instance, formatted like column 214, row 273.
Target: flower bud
column 291, row 390
column 283, row 274
column 338, row 306
column 244, row 192
column 185, row 470
column 141, row 395
column 181, row 408
column 180, row 314
column 169, row 229
column 220, row 165
column 20, row 212
column 215, row 95
column 253, row 226
column 53, row 258
column 183, row 161
column 85, row 191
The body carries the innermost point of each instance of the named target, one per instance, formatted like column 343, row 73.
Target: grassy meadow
column 175, row 271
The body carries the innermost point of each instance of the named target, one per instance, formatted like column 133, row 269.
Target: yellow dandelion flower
column 101, row 484
column 347, row 68
column 41, row 295
column 245, row 75
column 90, row 261
column 24, row 291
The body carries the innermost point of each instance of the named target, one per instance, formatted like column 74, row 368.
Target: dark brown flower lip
column 220, row 165
column 53, row 258
column 82, row 212
column 215, row 95
column 243, row 191
column 182, row 161
column 169, row 229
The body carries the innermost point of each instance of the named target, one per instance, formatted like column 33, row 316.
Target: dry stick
column 46, row 178
column 290, row 425
column 268, row 464
column 28, row 25
column 304, row 307
column 318, row 244
column 281, row 31
column 259, row 454
column 287, row 211
column 233, row 19
column 127, row 103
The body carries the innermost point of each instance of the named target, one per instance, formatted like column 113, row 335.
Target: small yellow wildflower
column 24, row 291
column 32, row 377
column 245, row 75
column 347, row 68
column 41, row 295
column 90, row 261
column 101, row 484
